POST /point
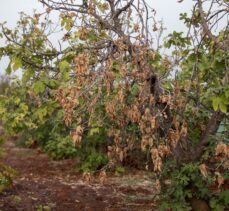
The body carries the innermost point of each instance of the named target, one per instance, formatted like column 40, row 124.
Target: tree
column 109, row 78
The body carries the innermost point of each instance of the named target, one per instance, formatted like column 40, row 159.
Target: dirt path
column 44, row 185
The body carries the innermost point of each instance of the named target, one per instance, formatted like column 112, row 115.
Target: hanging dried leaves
column 157, row 161
column 77, row 136
column 219, row 179
column 184, row 130
column 82, row 64
column 222, row 149
column 164, row 150
column 174, row 137
column 115, row 85
column 203, row 170
column 134, row 114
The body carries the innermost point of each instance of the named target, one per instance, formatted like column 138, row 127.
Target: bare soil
column 43, row 185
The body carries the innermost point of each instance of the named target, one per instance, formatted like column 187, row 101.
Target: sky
column 166, row 10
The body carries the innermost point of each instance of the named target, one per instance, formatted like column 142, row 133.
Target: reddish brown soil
column 43, row 185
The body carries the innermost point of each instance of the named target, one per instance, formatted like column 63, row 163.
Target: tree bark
column 211, row 129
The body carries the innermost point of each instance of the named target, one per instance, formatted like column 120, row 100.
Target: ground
column 43, row 185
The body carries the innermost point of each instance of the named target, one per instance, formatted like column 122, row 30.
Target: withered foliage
column 114, row 74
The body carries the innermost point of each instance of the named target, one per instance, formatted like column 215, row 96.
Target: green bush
column 93, row 162
column 60, row 148
column 186, row 184
column 7, row 174
column 93, row 150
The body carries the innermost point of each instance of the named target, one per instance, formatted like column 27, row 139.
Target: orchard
column 110, row 93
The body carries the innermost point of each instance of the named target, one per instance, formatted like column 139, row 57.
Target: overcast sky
column 167, row 10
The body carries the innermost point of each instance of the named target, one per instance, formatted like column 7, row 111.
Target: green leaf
column 17, row 101
column 16, row 63
column 39, row 87
column 64, row 68
column 224, row 196
column 53, row 84
column 93, row 131
column 41, row 113
column 223, row 107
column 227, row 93
column 215, row 103
column 65, row 76
column 64, row 65
column 224, row 99
column 67, row 23
column 8, row 69
column 27, row 75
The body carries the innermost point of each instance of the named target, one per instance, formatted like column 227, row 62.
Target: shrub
column 7, row 174
column 93, row 161
column 60, row 148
